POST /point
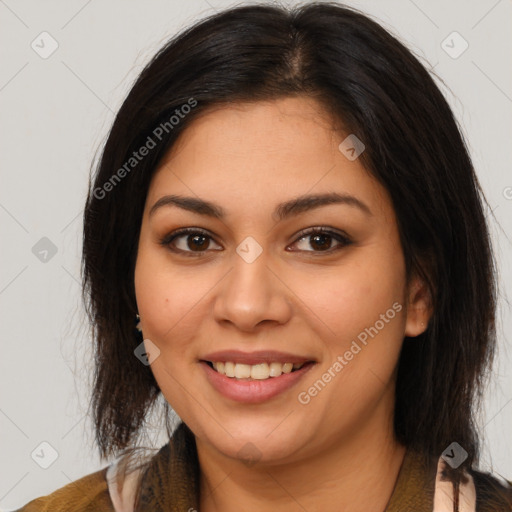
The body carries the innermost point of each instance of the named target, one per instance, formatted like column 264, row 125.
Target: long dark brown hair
column 378, row 90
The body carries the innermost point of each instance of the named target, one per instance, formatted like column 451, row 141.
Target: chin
column 257, row 442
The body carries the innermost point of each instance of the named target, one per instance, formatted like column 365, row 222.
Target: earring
column 137, row 323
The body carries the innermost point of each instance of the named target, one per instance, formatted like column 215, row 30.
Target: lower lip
column 253, row 391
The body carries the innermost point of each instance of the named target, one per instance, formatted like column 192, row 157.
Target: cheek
column 151, row 291
column 352, row 297
column 169, row 300
column 362, row 321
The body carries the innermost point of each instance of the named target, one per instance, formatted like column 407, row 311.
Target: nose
column 252, row 295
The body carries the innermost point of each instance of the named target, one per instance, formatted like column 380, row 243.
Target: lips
column 241, row 386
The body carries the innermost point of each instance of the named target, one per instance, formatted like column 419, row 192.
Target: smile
column 260, row 371
column 254, row 383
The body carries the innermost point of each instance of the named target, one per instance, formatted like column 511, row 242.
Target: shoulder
column 461, row 489
column 492, row 494
column 111, row 489
column 87, row 494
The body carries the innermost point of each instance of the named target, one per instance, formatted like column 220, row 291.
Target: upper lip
column 257, row 357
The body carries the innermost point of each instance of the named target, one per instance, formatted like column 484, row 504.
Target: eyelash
column 168, row 239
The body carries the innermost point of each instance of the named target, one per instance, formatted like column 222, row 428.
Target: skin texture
column 337, row 452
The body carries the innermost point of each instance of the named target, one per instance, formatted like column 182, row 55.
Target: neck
column 348, row 477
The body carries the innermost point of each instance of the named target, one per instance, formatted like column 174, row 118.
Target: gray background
column 55, row 113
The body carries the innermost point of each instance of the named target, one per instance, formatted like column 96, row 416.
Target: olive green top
column 169, row 482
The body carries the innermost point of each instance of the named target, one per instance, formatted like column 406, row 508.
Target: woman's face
column 254, row 286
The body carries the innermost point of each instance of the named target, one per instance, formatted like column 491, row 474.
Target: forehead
column 252, row 154
column 274, row 127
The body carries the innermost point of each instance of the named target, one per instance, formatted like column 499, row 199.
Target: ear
column 419, row 307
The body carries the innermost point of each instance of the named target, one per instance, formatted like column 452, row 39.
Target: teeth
column 287, row 367
column 276, row 369
column 260, row 371
column 242, row 371
column 229, row 369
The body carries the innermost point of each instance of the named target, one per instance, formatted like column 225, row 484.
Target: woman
column 286, row 211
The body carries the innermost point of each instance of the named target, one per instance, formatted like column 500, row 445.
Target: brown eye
column 321, row 239
column 197, row 242
column 189, row 241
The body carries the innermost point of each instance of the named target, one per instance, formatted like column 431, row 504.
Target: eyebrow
column 282, row 211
